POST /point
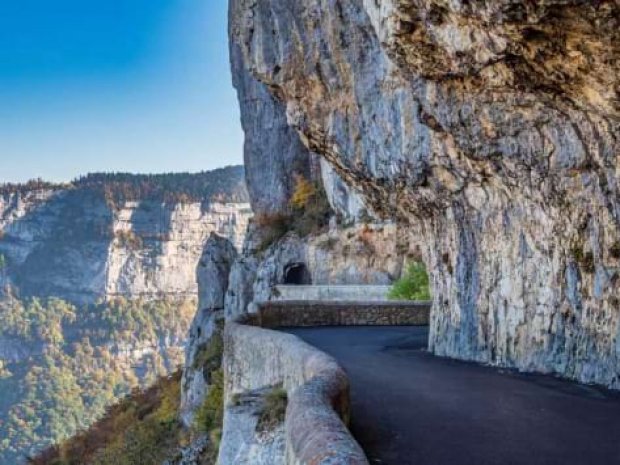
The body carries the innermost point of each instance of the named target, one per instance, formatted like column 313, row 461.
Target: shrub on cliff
column 273, row 410
column 210, row 415
column 142, row 428
column 273, row 227
column 310, row 208
column 308, row 213
column 414, row 285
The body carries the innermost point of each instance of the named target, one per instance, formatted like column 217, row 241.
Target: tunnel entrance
column 297, row 274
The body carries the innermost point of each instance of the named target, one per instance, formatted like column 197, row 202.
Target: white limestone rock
column 490, row 130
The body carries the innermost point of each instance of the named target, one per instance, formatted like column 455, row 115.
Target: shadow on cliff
column 66, row 242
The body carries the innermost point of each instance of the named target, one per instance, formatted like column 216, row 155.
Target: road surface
column 410, row 408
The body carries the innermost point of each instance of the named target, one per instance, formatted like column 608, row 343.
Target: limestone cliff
column 213, row 274
column 74, row 245
column 490, row 129
column 98, row 287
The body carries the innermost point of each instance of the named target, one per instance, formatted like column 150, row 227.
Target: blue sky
column 115, row 85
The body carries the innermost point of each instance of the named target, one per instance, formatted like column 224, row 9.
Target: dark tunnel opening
column 297, row 274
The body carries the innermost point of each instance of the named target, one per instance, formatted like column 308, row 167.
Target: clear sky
column 115, row 85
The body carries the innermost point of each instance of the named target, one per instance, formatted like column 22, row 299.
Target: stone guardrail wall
column 332, row 292
column 317, row 414
column 276, row 314
column 317, row 387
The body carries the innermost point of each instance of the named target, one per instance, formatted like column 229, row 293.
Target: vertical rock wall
column 72, row 244
column 213, row 272
column 274, row 152
column 490, row 128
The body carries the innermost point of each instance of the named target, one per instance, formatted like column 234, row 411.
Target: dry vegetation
column 273, row 410
column 142, row 429
column 309, row 212
column 210, row 416
column 79, row 372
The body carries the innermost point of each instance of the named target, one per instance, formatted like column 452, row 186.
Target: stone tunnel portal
column 297, row 274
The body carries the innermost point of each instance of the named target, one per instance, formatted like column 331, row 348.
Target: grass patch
column 210, row 415
column 273, row 410
column 414, row 285
column 209, row 355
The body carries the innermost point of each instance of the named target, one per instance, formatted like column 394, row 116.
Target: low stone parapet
column 318, row 395
column 277, row 314
column 332, row 292
column 317, row 413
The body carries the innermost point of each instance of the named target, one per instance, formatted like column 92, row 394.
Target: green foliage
column 142, row 429
column 309, row 213
column 3, row 261
column 35, row 320
column 209, row 355
column 75, row 374
column 210, row 415
column 32, row 185
column 223, row 184
column 273, row 410
column 414, row 285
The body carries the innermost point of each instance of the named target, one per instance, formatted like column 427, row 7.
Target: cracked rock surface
column 490, row 129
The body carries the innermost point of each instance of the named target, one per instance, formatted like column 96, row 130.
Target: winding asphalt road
column 410, row 408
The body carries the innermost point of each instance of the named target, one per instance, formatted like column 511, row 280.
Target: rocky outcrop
column 98, row 281
column 273, row 151
column 244, row 441
column 359, row 254
column 213, row 272
column 491, row 129
column 256, row 360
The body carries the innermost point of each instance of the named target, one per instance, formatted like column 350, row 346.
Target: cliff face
column 98, row 287
column 73, row 245
column 213, row 275
column 490, row 128
column 273, row 150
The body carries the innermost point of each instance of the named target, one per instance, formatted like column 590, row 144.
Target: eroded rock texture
column 72, row 244
column 274, row 153
column 212, row 271
column 490, row 127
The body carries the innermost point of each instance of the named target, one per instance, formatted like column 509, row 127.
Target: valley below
column 457, row 158
column 98, row 290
